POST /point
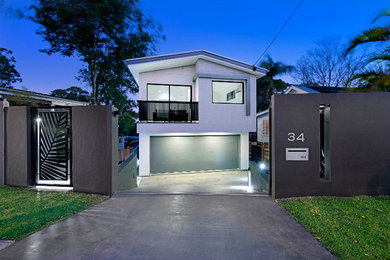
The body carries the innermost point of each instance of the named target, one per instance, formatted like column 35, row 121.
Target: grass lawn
column 350, row 228
column 24, row 211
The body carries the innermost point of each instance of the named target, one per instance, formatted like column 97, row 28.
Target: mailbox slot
column 297, row 154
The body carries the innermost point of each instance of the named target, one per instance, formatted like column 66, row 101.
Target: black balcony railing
column 167, row 111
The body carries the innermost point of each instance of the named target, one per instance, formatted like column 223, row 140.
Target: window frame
column 228, row 81
column 169, row 92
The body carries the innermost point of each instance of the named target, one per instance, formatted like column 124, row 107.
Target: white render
column 214, row 119
column 144, row 154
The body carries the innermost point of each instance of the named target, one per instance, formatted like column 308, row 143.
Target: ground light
column 262, row 166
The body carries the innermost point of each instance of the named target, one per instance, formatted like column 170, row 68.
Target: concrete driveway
column 197, row 226
column 222, row 182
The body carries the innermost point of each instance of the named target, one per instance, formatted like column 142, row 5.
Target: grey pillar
column 92, row 149
column 18, row 146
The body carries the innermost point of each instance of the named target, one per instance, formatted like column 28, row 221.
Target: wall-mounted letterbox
column 297, row 154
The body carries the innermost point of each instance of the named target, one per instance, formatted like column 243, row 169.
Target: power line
column 281, row 29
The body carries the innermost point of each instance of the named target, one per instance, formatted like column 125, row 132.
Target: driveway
column 196, row 226
column 222, row 182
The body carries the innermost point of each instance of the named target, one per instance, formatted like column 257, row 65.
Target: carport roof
column 152, row 63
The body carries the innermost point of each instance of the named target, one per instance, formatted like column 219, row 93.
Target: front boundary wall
column 94, row 148
column 359, row 144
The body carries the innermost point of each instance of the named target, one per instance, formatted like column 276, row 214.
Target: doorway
column 52, row 146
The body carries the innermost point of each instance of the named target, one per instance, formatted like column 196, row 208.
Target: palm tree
column 377, row 75
column 274, row 69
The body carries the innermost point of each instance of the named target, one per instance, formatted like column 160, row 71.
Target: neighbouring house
column 296, row 89
column 262, row 152
column 196, row 110
column 30, row 98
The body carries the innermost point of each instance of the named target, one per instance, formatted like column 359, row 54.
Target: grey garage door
column 194, row 153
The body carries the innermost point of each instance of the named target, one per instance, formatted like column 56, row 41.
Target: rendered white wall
column 244, row 151
column 144, row 155
column 177, row 76
column 212, row 117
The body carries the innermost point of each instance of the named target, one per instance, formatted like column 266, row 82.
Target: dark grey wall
column 127, row 174
column 190, row 153
column 18, row 146
column 1, row 144
column 92, row 146
column 359, row 144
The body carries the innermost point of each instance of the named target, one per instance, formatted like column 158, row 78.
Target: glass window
column 180, row 93
column 169, row 93
column 158, row 92
column 228, row 92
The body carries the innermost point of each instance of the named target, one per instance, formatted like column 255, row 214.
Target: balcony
column 168, row 111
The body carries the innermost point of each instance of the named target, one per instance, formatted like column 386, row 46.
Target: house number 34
column 292, row 137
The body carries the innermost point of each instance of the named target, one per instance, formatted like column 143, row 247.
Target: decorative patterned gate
column 52, row 146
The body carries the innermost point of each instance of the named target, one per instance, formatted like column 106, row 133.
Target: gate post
column 18, row 146
column 92, row 149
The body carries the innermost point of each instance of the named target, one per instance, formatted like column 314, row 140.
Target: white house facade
column 196, row 110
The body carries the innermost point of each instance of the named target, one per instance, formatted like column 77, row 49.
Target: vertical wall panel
column 18, row 146
column 359, row 144
column 92, row 155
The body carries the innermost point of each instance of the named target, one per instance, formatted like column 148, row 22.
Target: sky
column 236, row 29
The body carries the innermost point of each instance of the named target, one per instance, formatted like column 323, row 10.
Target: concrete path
column 224, row 182
column 140, row 226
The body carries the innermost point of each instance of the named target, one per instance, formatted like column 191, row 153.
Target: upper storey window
column 228, row 92
column 174, row 93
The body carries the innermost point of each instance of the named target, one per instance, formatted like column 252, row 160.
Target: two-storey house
column 196, row 110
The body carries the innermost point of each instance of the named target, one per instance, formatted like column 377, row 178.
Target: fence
column 123, row 155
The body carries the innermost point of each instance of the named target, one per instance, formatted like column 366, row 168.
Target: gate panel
column 53, row 146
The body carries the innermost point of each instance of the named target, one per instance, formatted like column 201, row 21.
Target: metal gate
column 52, row 130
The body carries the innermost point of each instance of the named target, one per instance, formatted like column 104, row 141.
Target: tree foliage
column 263, row 93
column 102, row 33
column 126, row 123
column 326, row 65
column 376, row 76
column 266, row 86
column 73, row 93
column 8, row 72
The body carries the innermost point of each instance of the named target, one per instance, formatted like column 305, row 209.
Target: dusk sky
column 237, row 29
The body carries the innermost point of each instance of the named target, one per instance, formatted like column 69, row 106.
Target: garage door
column 194, row 153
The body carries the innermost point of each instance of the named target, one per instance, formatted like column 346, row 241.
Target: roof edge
column 195, row 53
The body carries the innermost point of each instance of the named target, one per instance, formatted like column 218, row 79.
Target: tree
column 376, row 76
column 73, row 93
column 326, row 65
column 126, row 123
column 8, row 72
column 102, row 33
column 263, row 97
column 266, row 84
